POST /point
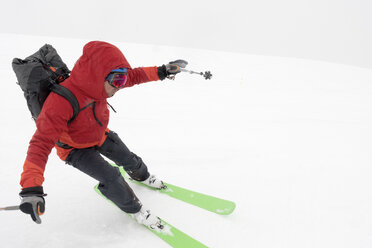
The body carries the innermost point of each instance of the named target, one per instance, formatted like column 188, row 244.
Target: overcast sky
column 332, row 30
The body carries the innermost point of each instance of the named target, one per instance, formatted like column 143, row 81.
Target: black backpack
column 41, row 73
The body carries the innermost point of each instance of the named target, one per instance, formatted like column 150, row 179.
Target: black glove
column 33, row 202
column 171, row 69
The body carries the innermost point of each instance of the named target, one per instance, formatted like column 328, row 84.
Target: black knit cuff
column 32, row 191
column 162, row 72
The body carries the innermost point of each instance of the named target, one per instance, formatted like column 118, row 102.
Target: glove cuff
column 162, row 72
column 32, row 191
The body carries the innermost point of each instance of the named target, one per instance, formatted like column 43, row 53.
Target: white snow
column 288, row 140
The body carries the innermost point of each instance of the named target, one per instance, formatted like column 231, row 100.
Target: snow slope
column 288, row 140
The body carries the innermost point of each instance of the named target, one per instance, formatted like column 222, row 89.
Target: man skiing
column 99, row 73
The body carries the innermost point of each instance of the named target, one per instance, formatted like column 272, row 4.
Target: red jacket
column 87, row 83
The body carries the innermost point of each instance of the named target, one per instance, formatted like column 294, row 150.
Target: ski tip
column 227, row 210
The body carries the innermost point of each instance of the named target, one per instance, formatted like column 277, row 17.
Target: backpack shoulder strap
column 66, row 93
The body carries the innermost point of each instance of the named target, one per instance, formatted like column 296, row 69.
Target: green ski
column 207, row 202
column 173, row 236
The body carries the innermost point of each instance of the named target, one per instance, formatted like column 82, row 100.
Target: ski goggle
column 117, row 78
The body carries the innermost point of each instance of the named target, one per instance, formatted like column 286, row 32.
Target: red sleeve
column 142, row 75
column 51, row 122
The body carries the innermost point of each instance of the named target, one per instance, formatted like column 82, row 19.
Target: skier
column 99, row 73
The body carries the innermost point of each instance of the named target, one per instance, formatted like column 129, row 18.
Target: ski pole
column 206, row 75
column 10, row 208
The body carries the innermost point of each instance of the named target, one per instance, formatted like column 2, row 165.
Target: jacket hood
column 98, row 60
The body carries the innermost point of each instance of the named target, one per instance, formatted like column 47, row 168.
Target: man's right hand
column 33, row 202
column 171, row 69
column 174, row 67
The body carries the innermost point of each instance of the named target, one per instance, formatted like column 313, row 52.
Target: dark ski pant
column 111, row 183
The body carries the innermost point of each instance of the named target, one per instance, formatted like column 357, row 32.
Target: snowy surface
column 288, row 140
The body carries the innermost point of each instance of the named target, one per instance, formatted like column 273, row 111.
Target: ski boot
column 145, row 218
column 154, row 182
